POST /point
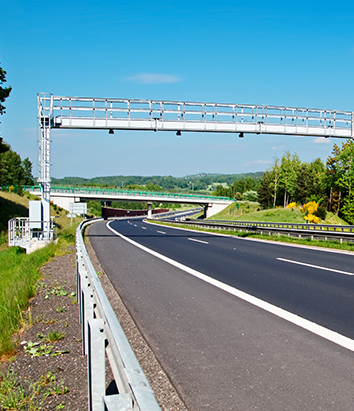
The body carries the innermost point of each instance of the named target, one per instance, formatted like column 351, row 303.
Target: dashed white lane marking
column 279, row 312
column 161, row 232
column 144, row 228
column 315, row 266
column 198, row 241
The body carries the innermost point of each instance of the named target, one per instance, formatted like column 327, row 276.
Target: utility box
column 35, row 214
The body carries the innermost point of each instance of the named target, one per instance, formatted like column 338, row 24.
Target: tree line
column 199, row 182
column 330, row 184
column 13, row 170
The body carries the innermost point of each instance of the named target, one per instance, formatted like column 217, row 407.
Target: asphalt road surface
column 214, row 334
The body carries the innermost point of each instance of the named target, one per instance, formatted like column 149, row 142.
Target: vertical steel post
column 96, row 365
column 45, row 117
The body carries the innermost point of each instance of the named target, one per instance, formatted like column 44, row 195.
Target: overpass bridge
column 63, row 196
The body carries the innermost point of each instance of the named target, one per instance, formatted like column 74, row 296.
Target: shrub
column 250, row 195
column 321, row 212
column 310, row 209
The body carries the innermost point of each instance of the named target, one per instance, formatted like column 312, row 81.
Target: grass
column 20, row 271
column 18, row 276
column 248, row 211
column 28, row 395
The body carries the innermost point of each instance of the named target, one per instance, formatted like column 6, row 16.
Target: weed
column 59, row 352
column 25, row 395
column 57, row 290
column 54, row 336
column 36, row 349
column 60, row 309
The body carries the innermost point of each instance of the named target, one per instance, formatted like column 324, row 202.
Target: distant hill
column 198, row 182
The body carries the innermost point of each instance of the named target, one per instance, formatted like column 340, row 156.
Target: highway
column 221, row 319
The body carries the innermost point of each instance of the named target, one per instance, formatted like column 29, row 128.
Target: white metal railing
column 24, row 233
column 103, row 335
column 80, row 112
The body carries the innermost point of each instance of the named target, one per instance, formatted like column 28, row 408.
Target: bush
column 321, row 212
column 250, row 195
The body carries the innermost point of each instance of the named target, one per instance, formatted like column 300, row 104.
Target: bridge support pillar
column 149, row 210
column 205, row 214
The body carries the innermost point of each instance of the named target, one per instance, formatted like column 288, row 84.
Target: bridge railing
column 79, row 112
column 128, row 193
column 103, row 336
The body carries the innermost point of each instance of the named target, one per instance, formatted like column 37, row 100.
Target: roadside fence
column 104, row 337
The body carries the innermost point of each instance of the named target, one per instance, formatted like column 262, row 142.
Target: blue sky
column 254, row 52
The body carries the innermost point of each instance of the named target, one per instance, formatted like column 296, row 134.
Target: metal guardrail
column 301, row 226
column 103, row 335
column 128, row 193
column 318, row 231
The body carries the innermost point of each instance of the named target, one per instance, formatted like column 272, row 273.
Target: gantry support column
column 45, row 106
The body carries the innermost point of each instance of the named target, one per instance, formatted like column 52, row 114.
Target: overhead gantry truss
column 57, row 112
column 181, row 116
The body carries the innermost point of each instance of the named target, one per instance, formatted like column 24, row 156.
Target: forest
column 203, row 182
column 329, row 184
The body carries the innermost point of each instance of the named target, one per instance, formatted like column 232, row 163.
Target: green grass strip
column 18, row 276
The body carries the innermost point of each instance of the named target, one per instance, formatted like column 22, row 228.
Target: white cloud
column 321, row 140
column 154, row 78
column 258, row 162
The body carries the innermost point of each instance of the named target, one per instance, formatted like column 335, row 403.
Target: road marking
column 198, row 241
column 161, row 232
column 315, row 266
column 279, row 312
column 144, row 228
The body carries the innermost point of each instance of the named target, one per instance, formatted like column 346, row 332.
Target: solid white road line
column 315, row 266
column 198, row 241
column 294, row 319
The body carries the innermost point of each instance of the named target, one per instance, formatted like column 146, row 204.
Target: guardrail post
column 87, row 315
column 96, row 367
column 119, row 402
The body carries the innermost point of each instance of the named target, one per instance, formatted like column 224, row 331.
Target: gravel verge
column 54, row 309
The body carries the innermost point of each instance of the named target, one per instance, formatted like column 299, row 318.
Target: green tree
column 250, row 195
column 274, row 179
column 288, row 172
column 27, row 172
column 265, row 197
column 4, row 91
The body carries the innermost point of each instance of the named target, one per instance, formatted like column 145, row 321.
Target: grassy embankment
column 20, row 272
column 249, row 211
